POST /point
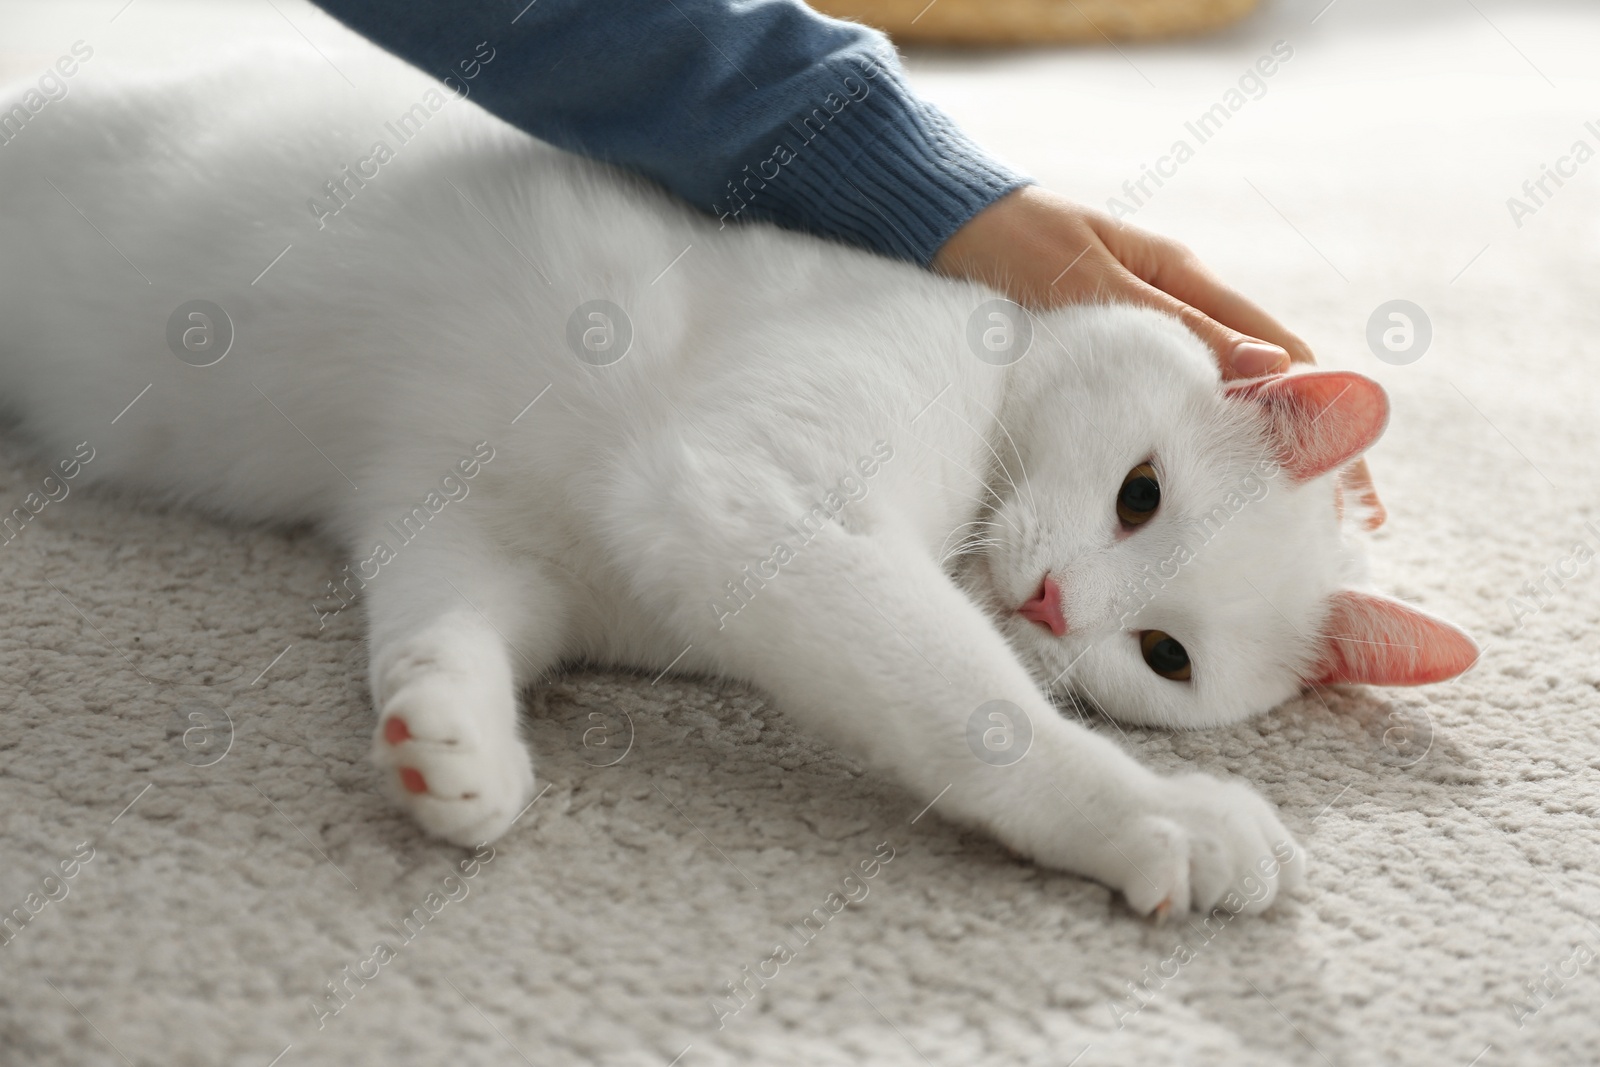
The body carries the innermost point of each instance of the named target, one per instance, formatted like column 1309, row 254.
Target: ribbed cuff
column 879, row 168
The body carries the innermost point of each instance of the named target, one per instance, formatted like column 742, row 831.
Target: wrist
column 1018, row 244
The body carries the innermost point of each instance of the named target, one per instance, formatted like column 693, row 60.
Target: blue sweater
column 747, row 109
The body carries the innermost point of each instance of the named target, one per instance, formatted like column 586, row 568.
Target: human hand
column 1043, row 250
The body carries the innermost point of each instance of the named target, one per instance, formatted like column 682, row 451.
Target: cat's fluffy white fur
column 766, row 371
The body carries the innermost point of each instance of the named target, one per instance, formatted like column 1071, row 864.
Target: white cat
column 556, row 416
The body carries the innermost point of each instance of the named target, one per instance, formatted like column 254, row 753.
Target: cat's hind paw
column 1209, row 844
column 438, row 760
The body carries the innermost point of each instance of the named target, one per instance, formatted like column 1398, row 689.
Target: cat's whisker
column 1014, row 449
column 1092, row 700
column 1100, row 709
column 976, row 500
column 999, row 502
column 1070, row 704
column 966, row 548
column 980, row 479
column 977, row 522
column 972, row 540
column 1004, row 470
column 974, row 522
column 986, row 483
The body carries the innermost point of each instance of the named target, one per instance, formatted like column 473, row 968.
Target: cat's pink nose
column 1045, row 607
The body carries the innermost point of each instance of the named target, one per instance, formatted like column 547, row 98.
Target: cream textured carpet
column 1452, row 911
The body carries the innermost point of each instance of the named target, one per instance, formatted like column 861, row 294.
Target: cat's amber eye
column 1139, row 496
column 1164, row 655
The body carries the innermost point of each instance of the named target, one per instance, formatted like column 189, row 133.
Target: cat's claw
column 438, row 763
column 1208, row 844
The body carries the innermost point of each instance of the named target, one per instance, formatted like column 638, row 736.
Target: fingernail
column 1251, row 359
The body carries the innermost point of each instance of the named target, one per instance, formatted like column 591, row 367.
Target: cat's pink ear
column 1321, row 419
column 1377, row 640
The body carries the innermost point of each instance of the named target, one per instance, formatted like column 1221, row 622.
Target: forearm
column 746, row 110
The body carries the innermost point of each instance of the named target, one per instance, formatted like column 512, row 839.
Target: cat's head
column 1171, row 548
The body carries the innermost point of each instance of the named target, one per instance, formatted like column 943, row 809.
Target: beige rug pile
column 222, row 876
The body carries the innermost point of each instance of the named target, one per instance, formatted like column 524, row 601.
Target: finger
column 1174, row 270
column 1237, row 355
column 1185, row 279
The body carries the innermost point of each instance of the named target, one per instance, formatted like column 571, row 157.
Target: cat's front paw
column 461, row 773
column 1206, row 843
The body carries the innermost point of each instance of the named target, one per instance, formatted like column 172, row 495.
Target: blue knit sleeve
column 747, row 109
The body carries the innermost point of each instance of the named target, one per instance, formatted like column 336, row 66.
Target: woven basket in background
column 1012, row 22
